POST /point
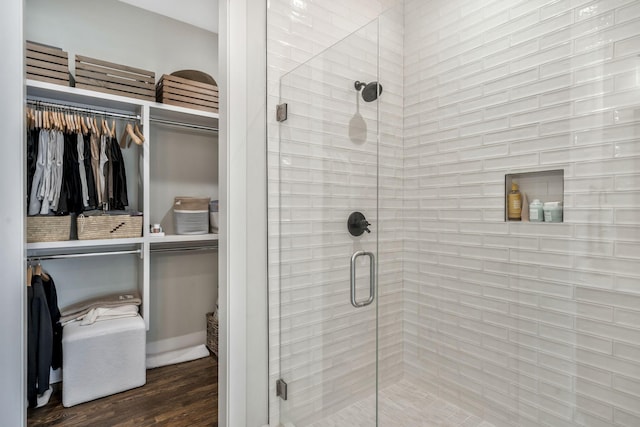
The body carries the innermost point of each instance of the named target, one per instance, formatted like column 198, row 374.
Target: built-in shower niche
column 545, row 186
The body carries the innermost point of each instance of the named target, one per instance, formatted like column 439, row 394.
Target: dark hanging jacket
column 117, row 194
column 32, row 157
column 54, row 312
column 71, row 193
column 39, row 341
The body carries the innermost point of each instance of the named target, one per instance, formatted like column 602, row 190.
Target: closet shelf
column 86, row 98
column 81, row 97
column 183, row 238
column 76, row 244
column 184, row 115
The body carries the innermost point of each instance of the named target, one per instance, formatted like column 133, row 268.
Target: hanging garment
column 103, row 176
column 35, row 199
column 91, row 184
column 39, row 341
column 70, row 200
column 95, row 165
column 109, row 171
column 81, row 170
column 45, row 186
column 57, row 171
column 118, row 197
column 54, row 312
column 32, row 158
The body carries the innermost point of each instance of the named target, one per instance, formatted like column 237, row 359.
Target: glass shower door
column 328, row 233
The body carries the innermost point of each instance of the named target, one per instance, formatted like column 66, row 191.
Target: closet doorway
column 175, row 275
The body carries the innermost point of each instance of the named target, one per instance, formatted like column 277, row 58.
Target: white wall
column 12, row 304
column 525, row 324
column 117, row 32
column 243, row 255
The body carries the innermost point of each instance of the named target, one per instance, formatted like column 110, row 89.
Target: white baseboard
column 176, row 356
column 176, row 343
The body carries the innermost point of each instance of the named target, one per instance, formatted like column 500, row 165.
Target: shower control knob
column 358, row 224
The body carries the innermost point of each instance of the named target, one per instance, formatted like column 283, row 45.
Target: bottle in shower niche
column 535, row 211
column 514, row 203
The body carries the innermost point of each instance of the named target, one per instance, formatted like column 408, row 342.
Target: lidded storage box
column 191, row 215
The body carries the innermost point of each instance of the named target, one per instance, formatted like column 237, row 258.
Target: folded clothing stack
column 106, row 307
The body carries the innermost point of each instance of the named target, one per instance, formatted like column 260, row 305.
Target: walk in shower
column 400, row 292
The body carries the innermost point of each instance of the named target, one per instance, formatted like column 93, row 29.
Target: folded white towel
column 106, row 313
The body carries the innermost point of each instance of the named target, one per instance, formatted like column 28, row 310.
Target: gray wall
column 120, row 33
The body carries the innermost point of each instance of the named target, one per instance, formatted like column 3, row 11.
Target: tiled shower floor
column 403, row 404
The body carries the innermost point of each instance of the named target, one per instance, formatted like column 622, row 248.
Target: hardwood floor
column 177, row 395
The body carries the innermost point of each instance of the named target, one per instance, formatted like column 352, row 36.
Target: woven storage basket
column 212, row 332
column 48, row 228
column 109, row 227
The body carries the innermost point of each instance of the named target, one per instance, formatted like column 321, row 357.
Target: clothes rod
column 88, row 111
column 185, row 249
column 184, row 125
column 81, row 255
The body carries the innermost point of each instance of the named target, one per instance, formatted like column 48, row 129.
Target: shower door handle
column 372, row 279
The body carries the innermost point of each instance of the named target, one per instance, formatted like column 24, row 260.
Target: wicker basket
column 48, row 228
column 212, row 332
column 109, row 227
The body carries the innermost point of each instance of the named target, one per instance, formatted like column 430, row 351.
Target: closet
column 176, row 275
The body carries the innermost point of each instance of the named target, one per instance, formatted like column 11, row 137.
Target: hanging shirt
column 95, row 166
column 103, row 162
column 91, row 184
column 70, row 200
column 82, row 171
column 35, row 200
column 57, row 169
column 32, row 158
column 118, row 197
column 46, row 185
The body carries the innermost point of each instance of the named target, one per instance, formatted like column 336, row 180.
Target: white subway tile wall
column 520, row 324
column 527, row 324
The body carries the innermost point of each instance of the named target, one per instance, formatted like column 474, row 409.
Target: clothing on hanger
column 39, row 341
column 35, row 199
column 44, row 337
column 32, row 158
column 72, row 172
column 91, row 184
column 81, row 170
column 118, row 197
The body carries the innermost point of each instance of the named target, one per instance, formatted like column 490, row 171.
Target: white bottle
column 536, row 213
